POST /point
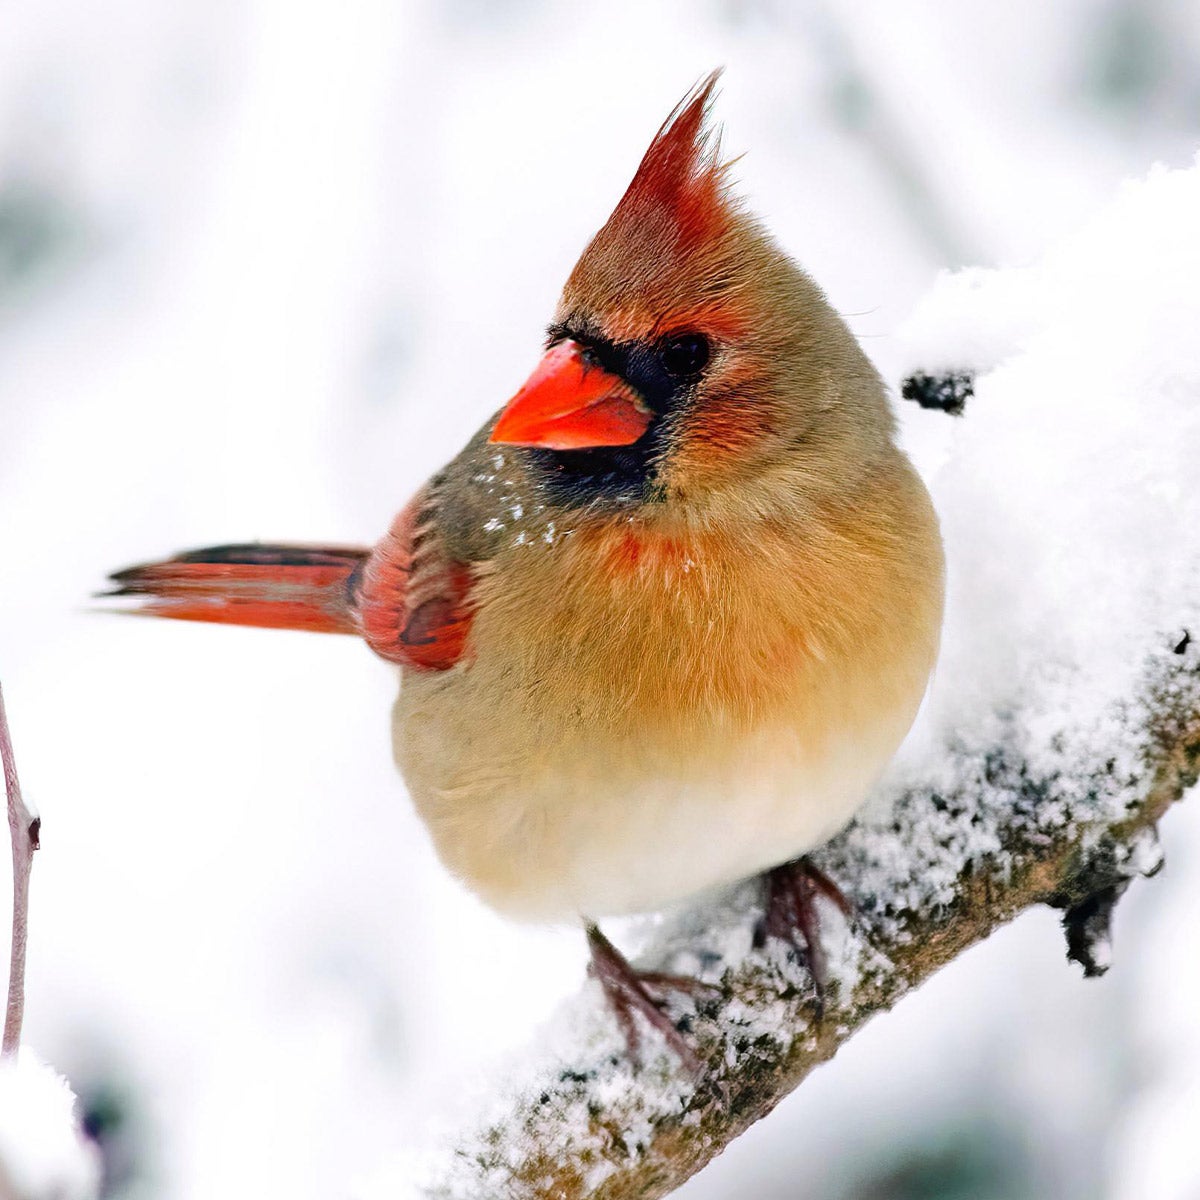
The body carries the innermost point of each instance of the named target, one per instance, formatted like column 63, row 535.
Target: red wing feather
column 408, row 598
column 269, row 586
column 414, row 599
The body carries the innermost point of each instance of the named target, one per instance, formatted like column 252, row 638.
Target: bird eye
column 684, row 355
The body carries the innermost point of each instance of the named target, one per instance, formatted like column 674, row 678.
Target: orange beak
column 569, row 403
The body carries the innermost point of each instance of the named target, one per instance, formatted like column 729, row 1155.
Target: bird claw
column 629, row 991
column 790, row 915
column 662, row 983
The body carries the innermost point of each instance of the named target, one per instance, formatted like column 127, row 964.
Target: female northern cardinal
column 665, row 619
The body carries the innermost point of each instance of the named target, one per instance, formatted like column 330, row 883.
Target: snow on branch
column 584, row 1122
column 1063, row 720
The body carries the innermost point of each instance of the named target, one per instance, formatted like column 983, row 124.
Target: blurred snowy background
column 263, row 267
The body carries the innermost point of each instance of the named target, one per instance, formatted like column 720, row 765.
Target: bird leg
column 790, row 914
column 629, row 991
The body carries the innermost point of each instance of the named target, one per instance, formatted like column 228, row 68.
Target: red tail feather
column 271, row 586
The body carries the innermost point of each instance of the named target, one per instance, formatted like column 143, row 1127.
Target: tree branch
column 24, row 828
column 933, row 870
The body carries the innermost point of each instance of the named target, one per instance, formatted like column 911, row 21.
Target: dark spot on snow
column 947, row 393
column 1184, row 642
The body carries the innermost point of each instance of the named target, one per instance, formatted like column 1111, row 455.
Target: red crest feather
column 681, row 172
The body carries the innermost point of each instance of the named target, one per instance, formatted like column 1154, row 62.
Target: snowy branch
column 1063, row 720
column 591, row 1125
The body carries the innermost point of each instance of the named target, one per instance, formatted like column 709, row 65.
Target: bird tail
column 270, row 586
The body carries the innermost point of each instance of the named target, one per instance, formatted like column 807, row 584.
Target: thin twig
column 24, row 828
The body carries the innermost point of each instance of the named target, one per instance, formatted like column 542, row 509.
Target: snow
column 1106, row 445
column 1071, row 519
column 43, row 1153
column 1154, row 1154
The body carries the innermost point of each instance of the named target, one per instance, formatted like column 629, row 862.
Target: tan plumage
column 666, row 618
column 672, row 694
column 634, row 729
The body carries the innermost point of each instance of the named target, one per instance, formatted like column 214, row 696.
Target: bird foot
column 629, row 991
column 790, row 914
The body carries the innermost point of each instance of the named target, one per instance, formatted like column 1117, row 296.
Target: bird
column 666, row 618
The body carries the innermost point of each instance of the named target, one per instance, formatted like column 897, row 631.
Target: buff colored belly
column 629, row 731
column 572, row 829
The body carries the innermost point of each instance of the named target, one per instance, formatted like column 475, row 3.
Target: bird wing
column 411, row 597
column 418, row 592
column 414, row 598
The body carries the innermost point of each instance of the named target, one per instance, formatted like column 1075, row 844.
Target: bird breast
column 644, row 715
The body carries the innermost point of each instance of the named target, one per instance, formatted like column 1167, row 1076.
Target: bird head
column 691, row 363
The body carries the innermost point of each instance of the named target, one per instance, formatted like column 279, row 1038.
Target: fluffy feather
column 632, row 672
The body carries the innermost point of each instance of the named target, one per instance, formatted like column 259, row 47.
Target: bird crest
column 681, row 175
